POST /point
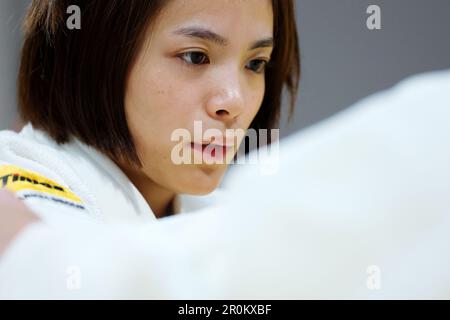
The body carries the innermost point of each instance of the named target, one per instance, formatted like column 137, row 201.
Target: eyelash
column 264, row 63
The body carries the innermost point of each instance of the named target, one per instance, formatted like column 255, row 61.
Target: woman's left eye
column 258, row 65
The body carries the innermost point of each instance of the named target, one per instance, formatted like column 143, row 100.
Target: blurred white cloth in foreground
column 359, row 208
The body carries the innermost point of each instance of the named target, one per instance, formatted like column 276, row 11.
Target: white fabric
column 359, row 208
column 107, row 194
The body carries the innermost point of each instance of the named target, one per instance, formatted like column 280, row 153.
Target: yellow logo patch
column 17, row 179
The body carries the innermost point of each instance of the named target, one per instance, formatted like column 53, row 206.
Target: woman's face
column 186, row 73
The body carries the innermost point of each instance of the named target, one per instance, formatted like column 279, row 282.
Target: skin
column 14, row 217
column 169, row 88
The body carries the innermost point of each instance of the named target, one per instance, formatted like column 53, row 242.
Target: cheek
column 150, row 103
column 156, row 105
column 254, row 102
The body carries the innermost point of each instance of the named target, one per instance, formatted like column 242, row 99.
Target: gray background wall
column 11, row 13
column 342, row 60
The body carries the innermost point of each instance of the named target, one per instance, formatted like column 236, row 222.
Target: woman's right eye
column 194, row 57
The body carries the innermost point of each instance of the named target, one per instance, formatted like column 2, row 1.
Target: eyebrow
column 205, row 34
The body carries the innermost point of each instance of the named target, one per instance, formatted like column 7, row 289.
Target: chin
column 203, row 181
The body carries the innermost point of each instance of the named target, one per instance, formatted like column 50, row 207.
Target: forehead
column 231, row 18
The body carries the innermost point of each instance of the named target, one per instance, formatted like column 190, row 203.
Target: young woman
column 103, row 101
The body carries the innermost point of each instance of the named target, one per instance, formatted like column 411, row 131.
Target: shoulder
column 32, row 167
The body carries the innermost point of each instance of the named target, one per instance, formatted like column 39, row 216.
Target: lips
column 212, row 148
column 223, row 142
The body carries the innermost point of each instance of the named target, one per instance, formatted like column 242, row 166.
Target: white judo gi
column 359, row 208
column 60, row 182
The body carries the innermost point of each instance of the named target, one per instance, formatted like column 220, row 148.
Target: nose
column 226, row 102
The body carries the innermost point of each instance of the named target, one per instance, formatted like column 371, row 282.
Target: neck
column 158, row 198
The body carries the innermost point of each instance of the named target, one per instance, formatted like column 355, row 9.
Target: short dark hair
column 66, row 83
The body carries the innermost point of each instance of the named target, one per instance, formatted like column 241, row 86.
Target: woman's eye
column 199, row 58
column 258, row 65
column 194, row 57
